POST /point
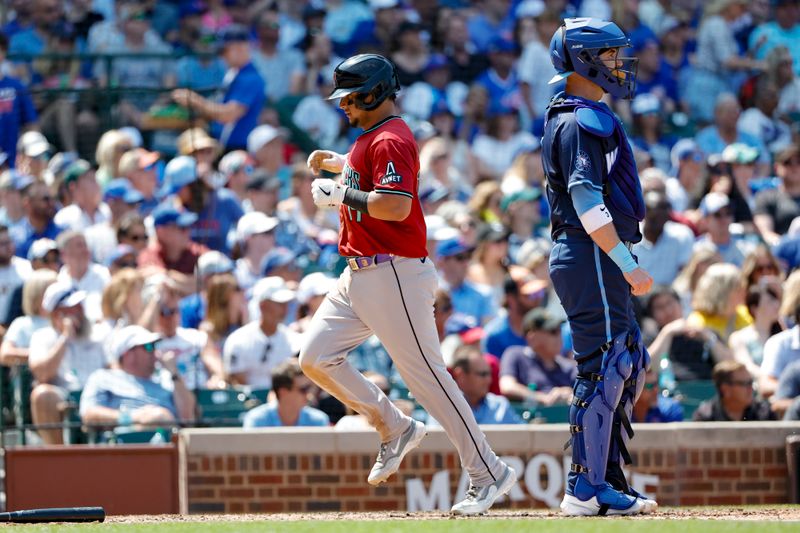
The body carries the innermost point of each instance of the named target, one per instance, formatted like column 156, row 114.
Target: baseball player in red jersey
column 388, row 288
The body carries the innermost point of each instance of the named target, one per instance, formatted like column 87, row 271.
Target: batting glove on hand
column 327, row 193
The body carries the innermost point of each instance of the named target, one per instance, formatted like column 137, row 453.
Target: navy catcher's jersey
column 572, row 156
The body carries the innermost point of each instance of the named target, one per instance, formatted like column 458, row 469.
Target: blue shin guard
column 595, row 416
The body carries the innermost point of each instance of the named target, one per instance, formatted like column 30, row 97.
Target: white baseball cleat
column 480, row 499
column 391, row 453
column 615, row 504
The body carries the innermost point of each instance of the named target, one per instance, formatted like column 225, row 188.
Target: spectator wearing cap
column 40, row 208
column 724, row 131
column 648, row 130
column 438, row 172
column 434, row 90
column 87, row 208
column 666, row 246
column 18, row 112
column 237, row 169
column 761, row 121
column 252, row 351
column 654, row 75
column 44, row 254
column 521, row 293
column 522, row 215
column 685, row 174
column 121, row 198
column 734, row 401
column 293, row 392
column 255, row 236
column 453, row 257
column 500, row 79
column 211, row 265
column 738, row 163
column 538, row 363
column 63, row 355
column 265, row 144
column 197, row 359
column 173, row 248
column 776, row 208
column 310, row 294
column 654, row 407
column 237, row 114
column 283, row 67
column 473, row 375
column 717, row 216
column 262, row 193
column 12, row 182
column 17, row 340
column 217, row 211
column 199, row 70
column 33, row 154
column 129, row 395
column 121, row 257
column 79, row 270
column 460, row 330
column 489, row 262
column 203, row 148
column 138, row 166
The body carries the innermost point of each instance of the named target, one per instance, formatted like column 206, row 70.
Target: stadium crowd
column 149, row 261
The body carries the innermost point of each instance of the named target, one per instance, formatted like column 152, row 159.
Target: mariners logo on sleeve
column 582, row 161
column 391, row 176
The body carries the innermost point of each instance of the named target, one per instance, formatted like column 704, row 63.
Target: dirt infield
column 777, row 513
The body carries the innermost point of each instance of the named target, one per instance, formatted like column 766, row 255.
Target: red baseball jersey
column 384, row 159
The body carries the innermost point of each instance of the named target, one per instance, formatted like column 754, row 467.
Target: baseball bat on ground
column 63, row 514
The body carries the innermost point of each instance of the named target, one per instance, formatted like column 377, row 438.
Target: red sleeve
column 393, row 167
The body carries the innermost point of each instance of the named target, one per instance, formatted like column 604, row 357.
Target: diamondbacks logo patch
column 391, row 176
column 582, row 161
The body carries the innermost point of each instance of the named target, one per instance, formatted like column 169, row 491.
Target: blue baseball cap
column 278, row 257
column 452, row 247
column 122, row 189
column 235, row 33
column 118, row 253
column 14, row 180
column 180, row 172
column 166, row 214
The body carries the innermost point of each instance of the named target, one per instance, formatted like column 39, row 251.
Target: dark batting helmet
column 364, row 75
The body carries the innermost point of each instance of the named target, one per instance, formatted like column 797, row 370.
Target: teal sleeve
column 585, row 197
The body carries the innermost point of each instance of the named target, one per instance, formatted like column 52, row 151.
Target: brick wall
column 284, row 470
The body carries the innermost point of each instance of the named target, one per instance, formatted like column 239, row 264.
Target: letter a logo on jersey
column 391, row 176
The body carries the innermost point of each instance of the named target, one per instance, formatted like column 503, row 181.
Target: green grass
column 533, row 525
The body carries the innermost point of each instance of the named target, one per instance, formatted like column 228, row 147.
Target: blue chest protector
column 622, row 187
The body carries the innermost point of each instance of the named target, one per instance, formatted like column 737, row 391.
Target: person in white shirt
column 256, row 237
column 87, row 208
column 252, row 351
column 665, row 246
column 63, row 355
column 13, row 271
column 197, row 360
column 17, row 340
column 79, row 271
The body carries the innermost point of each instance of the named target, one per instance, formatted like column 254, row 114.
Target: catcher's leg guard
column 598, row 391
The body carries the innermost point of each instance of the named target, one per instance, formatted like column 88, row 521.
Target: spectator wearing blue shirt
column 493, row 18
column 23, row 18
column 473, row 375
column 293, row 391
column 40, row 208
column 506, row 328
column 33, row 40
column 500, row 79
column 782, row 30
column 235, row 116
column 16, row 109
column 467, row 298
column 653, row 407
column 218, row 211
column 538, row 363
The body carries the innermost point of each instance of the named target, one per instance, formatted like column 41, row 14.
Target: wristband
column 623, row 258
column 356, row 199
column 124, row 418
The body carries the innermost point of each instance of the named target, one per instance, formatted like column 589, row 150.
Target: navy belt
column 563, row 236
column 369, row 261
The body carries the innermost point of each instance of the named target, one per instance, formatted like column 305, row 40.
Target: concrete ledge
column 697, row 435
